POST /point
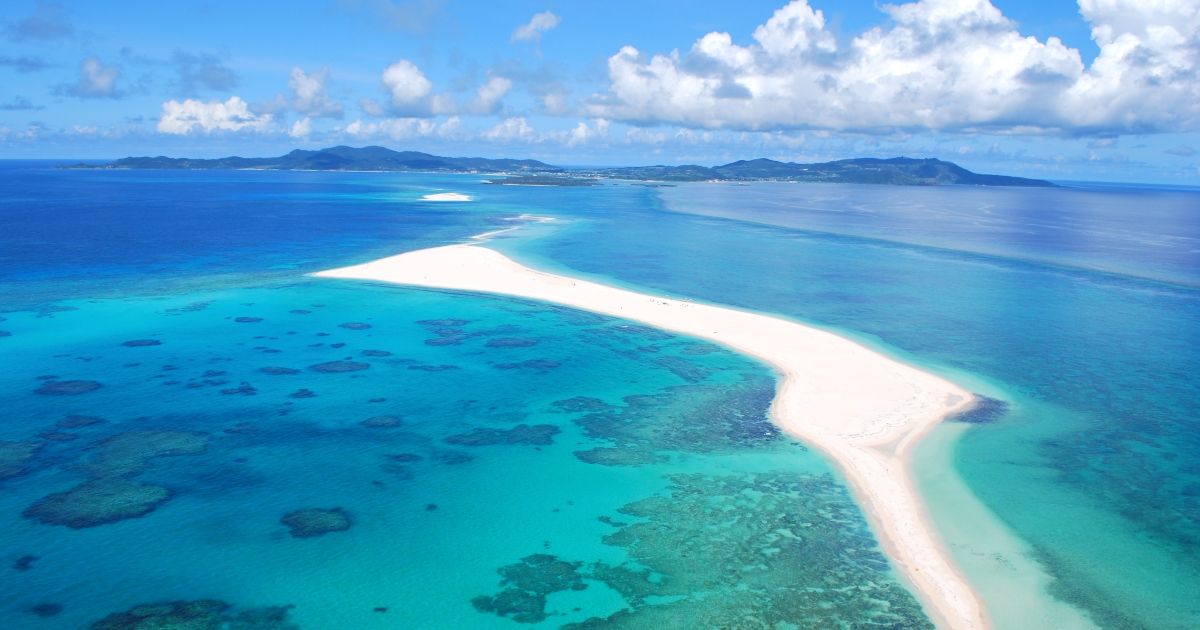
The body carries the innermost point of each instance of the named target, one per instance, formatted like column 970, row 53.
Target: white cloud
column 533, row 29
column 511, row 129
column 406, row 84
column 403, row 128
column 583, row 133
column 301, row 128
column 487, row 98
column 96, row 80
column 309, row 95
column 233, row 114
column 938, row 64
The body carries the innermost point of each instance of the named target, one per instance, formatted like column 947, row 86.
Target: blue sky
column 1099, row 89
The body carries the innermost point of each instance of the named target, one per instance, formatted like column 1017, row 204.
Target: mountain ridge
column 903, row 171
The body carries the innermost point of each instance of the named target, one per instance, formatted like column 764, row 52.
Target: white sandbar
column 865, row 410
column 449, row 196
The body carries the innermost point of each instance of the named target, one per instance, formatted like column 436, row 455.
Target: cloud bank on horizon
column 941, row 64
column 924, row 76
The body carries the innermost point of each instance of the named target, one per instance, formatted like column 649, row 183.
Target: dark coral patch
column 526, row 585
column 5, row 333
column 245, row 389
column 299, row 311
column 303, row 393
column 203, row 614
column 541, row 366
column 57, row 436
column 376, row 353
column 247, row 320
column 354, row 326
column 984, row 411
column 425, row 367
column 312, row 522
column 78, row 422
column 453, row 458
column 538, row 434
column 334, row 367
column 580, row 403
column 24, row 563
column 382, row 422
column 404, row 458
column 141, row 343
column 15, row 458
column 511, row 342
column 98, row 502
column 444, row 323
column 128, row 453
column 68, row 388
column 278, row 371
column 46, row 610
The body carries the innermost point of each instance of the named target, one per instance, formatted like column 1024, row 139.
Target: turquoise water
column 195, row 433
column 1096, row 466
column 523, row 465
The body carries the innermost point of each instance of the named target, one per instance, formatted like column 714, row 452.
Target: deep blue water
column 1076, row 307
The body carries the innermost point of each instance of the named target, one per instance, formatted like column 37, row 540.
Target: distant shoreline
column 866, row 411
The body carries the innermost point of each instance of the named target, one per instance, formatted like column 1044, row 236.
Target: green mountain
column 899, row 171
column 344, row 159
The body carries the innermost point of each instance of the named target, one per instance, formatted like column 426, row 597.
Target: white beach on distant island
column 446, row 196
column 863, row 409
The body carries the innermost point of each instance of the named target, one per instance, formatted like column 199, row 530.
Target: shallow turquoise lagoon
column 337, row 454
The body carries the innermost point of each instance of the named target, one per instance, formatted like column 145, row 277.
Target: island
column 900, row 171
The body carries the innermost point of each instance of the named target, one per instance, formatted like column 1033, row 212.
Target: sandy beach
column 864, row 409
column 447, row 196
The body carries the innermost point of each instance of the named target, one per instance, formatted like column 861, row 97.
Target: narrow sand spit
column 863, row 409
column 449, row 196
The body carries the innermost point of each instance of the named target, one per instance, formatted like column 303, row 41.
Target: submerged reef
column 538, row 434
column 354, row 326
column 278, row 371
column 382, row 422
column 695, row 418
column 313, row 522
column 985, row 411
column 68, row 388
column 141, row 343
column 15, row 458
column 97, row 502
column 201, row 614
column 526, row 586
column 334, row 367
column 770, row 549
column 111, row 494
column 511, row 342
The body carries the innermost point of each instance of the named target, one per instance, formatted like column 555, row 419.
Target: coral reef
column 312, row 522
column 15, row 458
column 202, row 614
column 278, row 371
column 354, row 326
column 333, row 367
column 526, row 586
column 247, row 320
column 511, row 342
column 68, row 388
column 382, row 422
column 985, row 411
column 537, row 434
column 141, row 343
column 98, row 502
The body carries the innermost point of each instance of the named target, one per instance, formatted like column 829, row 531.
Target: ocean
column 194, row 423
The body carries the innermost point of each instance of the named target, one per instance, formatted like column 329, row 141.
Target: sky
column 1105, row 90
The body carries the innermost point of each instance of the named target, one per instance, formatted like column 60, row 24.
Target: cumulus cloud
column 511, row 129
column 309, row 96
column 584, row 133
column 410, row 94
column 233, row 114
column 487, row 98
column 403, row 128
column 48, row 22
column 301, row 128
column 95, row 80
column 197, row 72
column 533, row 29
column 938, row 64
